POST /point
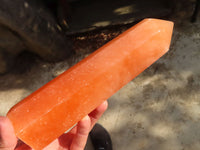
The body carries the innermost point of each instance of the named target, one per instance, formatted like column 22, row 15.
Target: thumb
column 8, row 140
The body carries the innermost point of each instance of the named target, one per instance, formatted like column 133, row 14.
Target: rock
column 3, row 67
column 10, row 42
column 34, row 29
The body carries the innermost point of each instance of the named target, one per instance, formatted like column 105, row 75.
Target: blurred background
column 160, row 109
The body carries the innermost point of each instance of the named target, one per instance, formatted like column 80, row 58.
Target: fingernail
column 105, row 103
column 86, row 118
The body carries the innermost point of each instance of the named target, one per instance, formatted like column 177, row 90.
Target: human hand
column 75, row 139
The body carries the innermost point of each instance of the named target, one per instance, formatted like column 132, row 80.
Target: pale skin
column 74, row 140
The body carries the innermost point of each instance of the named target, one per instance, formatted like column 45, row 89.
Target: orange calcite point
column 57, row 106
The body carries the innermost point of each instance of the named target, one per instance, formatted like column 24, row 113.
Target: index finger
column 98, row 112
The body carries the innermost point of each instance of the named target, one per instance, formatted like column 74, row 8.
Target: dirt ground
column 159, row 110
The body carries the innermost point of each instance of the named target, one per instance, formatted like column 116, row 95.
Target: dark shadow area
column 196, row 11
column 104, row 13
column 24, row 62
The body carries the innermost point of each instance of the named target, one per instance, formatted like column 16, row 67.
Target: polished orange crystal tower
column 57, row 106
